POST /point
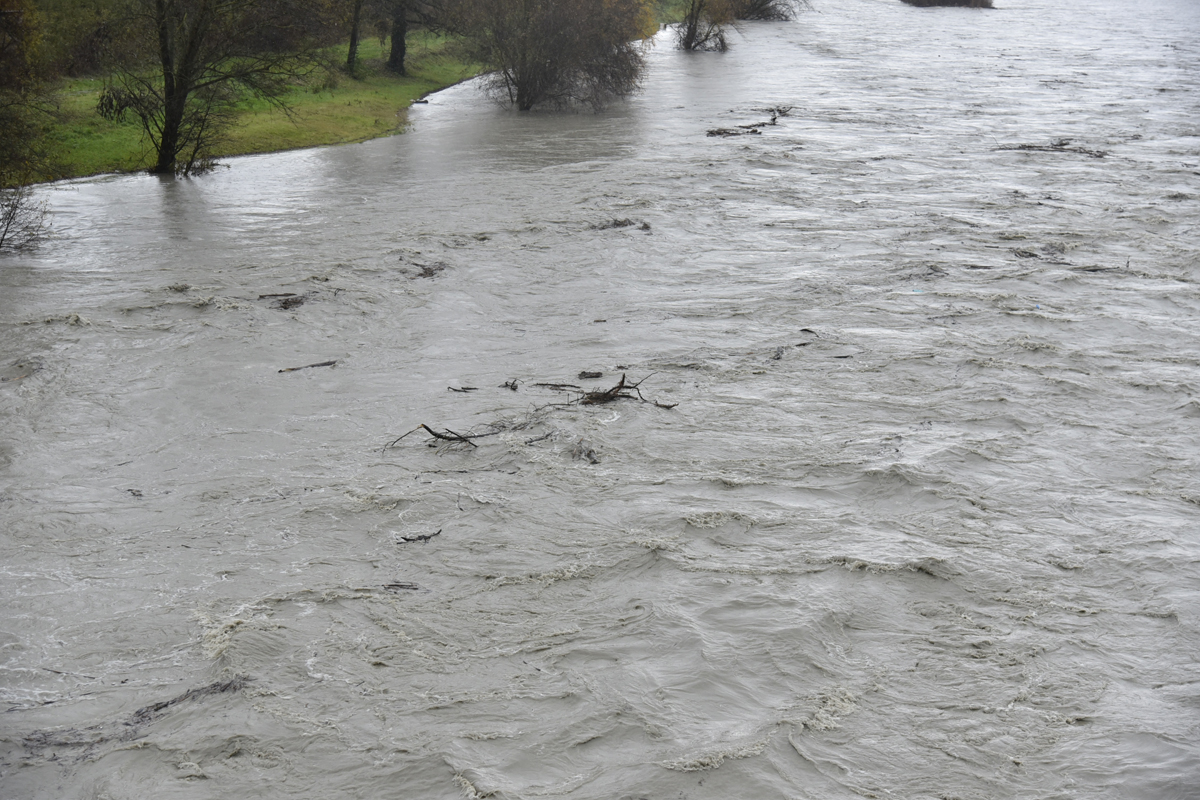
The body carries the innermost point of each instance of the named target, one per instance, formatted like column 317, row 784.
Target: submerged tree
column 703, row 25
column 771, row 10
column 705, row 21
column 181, row 66
column 557, row 52
column 23, row 115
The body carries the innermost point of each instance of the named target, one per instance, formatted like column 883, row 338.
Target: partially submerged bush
column 769, row 10
column 22, row 221
column 558, row 53
column 703, row 24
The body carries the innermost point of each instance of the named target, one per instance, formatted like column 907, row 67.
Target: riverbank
column 340, row 109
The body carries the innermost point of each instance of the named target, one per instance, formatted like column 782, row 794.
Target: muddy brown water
column 925, row 522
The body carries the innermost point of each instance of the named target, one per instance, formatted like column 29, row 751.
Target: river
column 911, row 508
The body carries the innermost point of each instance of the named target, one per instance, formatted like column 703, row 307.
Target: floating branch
column 950, row 3
column 462, row 389
column 422, row 539
column 622, row 391
column 310, row 366
column 642, row 225
column 446, row 436
column 1058, row 146
column 732, row 131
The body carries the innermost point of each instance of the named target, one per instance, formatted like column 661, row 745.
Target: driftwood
column 446, row 436
column 1058, row 146
column 949, row 3
column 310, row 366
column 622, row 391
column 642, row 225
column 421, row 539
column 738, row 131
column 147, row 713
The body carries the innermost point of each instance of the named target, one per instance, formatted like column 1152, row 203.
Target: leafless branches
column 622, row 390
column 23, row 221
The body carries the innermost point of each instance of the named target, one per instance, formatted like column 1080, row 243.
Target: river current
column 923, row 522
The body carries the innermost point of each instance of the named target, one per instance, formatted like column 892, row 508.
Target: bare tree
column 22, row 221
column 703, row 25
column 772, row 10
column 557, row 52
column 181, row 66
column 23, row 115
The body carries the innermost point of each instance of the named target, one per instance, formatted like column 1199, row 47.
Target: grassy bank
column 340, row 109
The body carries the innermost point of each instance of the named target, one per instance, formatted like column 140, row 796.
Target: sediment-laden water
column 924, row 522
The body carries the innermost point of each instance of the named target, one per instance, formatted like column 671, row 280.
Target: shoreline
column 347, row 110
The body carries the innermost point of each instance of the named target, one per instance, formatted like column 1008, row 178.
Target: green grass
column 343, row 109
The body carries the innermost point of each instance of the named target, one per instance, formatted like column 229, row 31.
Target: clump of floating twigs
column 623, row 390
column 446, row 435
column 1057, row 146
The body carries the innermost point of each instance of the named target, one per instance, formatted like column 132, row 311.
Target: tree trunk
column 352, row 56
column 168, row 144
column 399, row 36
column 168, row 55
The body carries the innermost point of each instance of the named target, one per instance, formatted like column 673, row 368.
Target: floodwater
column 923, row 522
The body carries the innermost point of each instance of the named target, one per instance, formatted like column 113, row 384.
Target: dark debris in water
column 290, row 302
column 130, row 728
column 1057, row 146
column 582, row 451
column 732, row 131
column 613, row 224
column 151, row 712
column 423, row 538
column 414, row 269
column 949, row 3
column 623, row 390
column 310, row 366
